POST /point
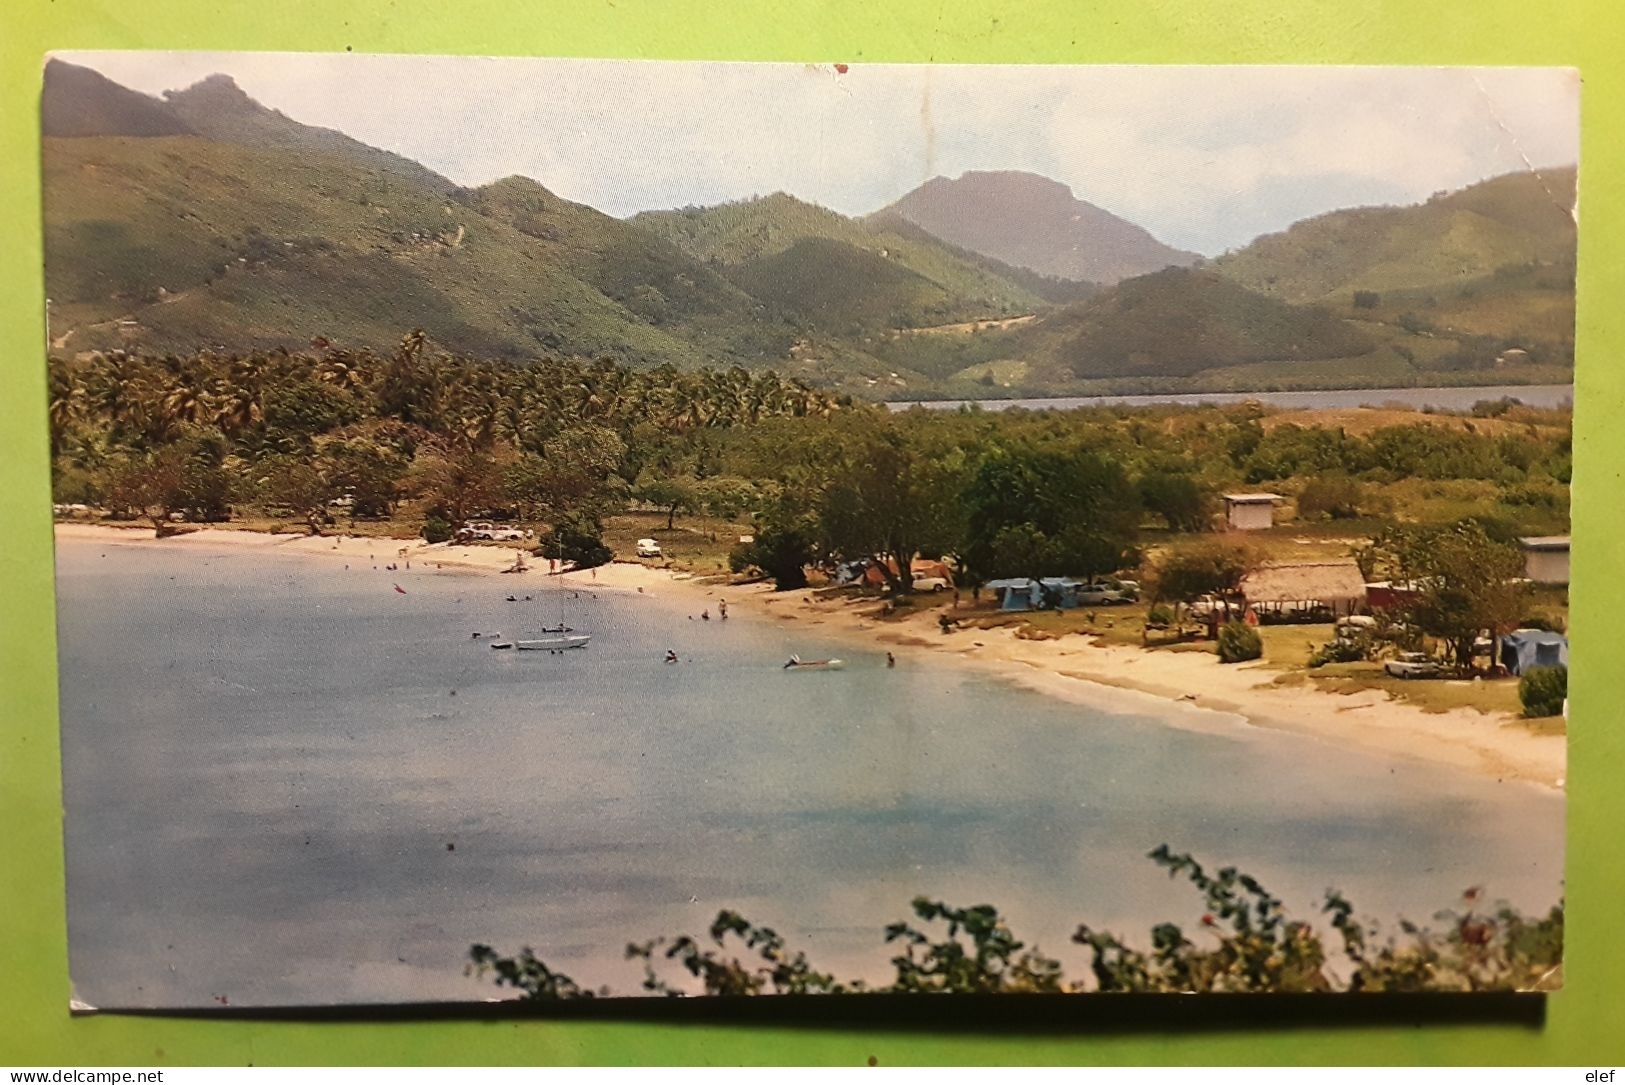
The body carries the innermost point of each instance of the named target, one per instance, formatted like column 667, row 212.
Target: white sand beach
column 1209, row 694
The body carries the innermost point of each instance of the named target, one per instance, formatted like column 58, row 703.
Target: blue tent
column 1016, row 593
column 1063, row 590
column 1523, row 649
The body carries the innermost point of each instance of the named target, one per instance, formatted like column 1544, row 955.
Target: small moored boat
column 553, row 644
column 797, row 663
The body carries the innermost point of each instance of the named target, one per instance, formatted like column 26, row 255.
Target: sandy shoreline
column 1116, row 678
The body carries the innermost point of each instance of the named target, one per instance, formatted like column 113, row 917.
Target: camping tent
column 1016, row 593
column 1524, row 649
column 1060, row 591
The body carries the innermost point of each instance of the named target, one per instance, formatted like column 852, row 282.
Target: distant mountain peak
column 78, row 102
column 217, row 108
column 218, row 92
column 1034, row 222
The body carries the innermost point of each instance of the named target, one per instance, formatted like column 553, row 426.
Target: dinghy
column 553, row 644
column 797, row 663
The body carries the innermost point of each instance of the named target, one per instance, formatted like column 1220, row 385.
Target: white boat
column 797, row 663
column 553, row 644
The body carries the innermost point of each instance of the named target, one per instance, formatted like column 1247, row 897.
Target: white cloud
column 1205, row 158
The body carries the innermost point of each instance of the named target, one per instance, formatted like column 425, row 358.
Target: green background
column 1583, row 1024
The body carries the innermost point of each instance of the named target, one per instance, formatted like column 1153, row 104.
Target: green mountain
column 1180, row 322
column 1453, row 239
column 176, row 242
column 876, row 278
column 206, row 219
column 1489, row 268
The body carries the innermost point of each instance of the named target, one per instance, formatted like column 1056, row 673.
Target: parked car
column 1413, row 665
column 485, row 531
column 931, row 583
column 648, row 548
column 1351, row 626
column 1102, row 595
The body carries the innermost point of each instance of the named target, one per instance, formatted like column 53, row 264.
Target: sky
column 1206, row 158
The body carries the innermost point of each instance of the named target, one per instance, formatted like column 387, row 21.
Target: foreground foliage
column 1543, row 691
column 1244, row 941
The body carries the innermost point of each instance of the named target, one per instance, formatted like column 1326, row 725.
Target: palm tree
column 67, row 405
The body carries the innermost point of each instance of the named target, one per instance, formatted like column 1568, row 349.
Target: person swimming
column 891, row 660
column 671, row 655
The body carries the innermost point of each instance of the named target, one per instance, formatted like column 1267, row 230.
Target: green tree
column 1463, row 583
column 300, row 485
column 188, row 477
column 1336, row 497
column 463, row 483
column 1178, row 498
column 1191, row 572
column 886, row 501
column 575, row 471
column 578, row 538
column 784, row 544
column 670, row 495
column 367, row 472
column 1048, row 512
column 152, row 485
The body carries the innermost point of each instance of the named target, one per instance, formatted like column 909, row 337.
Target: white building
column 1250, row 512
column 1546, row 558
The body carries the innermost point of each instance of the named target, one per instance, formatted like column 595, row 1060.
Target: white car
column 1413, row 665
column 484, row 531
column 648, row 548
column 931, row 583
column 1101, row 595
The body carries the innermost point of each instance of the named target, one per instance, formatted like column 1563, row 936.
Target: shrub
column 742, row 557
column 436, row 530
column 1247, row 941
column 1177, row 498
column 1335, row 497
column 1339, row 651
column 1543, row 691
column 1239, row 642
column 1159, row 616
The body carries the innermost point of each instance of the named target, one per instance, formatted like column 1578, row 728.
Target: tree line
column 432, row 439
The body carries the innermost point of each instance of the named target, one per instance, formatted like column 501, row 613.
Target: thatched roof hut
column 1285, row 586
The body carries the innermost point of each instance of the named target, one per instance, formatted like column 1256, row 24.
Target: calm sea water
column 288, row 783
column 1449, row 399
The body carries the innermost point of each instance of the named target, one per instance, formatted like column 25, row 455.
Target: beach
column 1203, row 692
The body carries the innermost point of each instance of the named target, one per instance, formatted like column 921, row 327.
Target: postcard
column 551, row 529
